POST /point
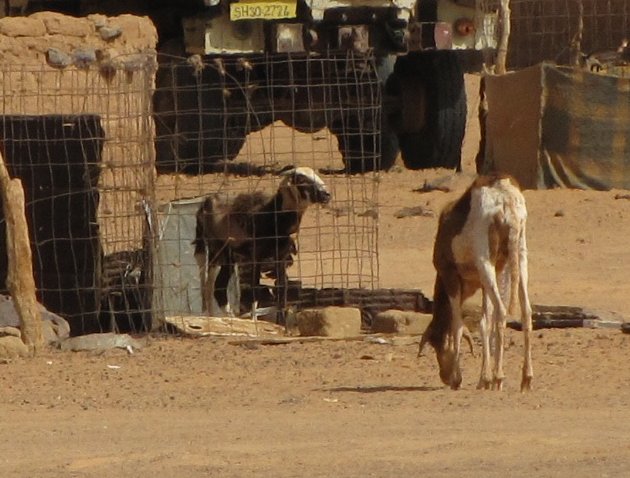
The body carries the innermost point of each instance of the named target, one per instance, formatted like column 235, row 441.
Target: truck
column 419, row 51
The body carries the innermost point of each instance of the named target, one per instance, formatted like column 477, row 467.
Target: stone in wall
column 26, row 40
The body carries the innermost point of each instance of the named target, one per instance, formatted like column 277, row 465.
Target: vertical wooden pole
column 576, row 43
column 502, row 50
column 20, row 280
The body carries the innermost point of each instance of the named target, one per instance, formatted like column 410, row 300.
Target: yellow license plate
column 263, row 10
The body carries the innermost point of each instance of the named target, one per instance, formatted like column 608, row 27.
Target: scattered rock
column 447, row 183
column 55, row 328
column 330, row 322
column 55, row 331
column 373, row 213
column 101, row 342
column 428, row 187
column 10, row 331
column 414, row 211
column 12, row 347
column 559, row 213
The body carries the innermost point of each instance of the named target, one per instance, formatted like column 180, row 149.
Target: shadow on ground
column 380, row 389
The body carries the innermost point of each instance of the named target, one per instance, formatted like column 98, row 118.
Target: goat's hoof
column 497, row 384
column 484, row 384
column 526, row 384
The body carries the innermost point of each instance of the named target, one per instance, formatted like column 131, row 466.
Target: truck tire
column 437, row 142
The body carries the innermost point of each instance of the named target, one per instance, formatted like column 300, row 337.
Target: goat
column 481, row 238
column 252, row 230
column 603, row 60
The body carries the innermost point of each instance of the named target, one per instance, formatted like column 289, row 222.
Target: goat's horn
column 422, row 343
column 469, row 339
column 287, row 170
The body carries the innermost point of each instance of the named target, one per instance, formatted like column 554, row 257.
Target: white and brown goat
column 253, row 231
column 481, row 242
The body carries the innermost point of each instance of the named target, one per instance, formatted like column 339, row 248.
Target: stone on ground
column 404, row 322
column 335, row 322
column 12, row 347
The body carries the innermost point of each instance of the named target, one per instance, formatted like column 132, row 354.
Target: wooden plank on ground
column 224, row 326
column 562, row 317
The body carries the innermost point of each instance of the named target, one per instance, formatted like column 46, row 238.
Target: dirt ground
column 202, row 407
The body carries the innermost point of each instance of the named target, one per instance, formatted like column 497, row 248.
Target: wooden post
column 20, row 280
column 502, row 50
column 576, row 43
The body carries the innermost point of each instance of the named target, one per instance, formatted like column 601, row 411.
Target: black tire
column 437, row 142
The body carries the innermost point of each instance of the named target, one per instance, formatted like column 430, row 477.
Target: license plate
column 263, row 10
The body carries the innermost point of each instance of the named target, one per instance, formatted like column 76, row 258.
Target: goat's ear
column 287, row 170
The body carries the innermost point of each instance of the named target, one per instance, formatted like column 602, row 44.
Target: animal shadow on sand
column 382, row 388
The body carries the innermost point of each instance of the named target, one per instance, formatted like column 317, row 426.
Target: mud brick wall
column 56, row 64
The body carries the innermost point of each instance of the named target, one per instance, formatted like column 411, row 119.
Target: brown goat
column 252, row 231
column 480, row 243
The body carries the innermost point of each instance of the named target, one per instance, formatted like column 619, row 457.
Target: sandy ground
column 202, row 407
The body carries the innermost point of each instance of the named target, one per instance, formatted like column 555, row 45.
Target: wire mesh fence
column 115, row 164
column 231, row 126
column 550, row 29
column 79, row 141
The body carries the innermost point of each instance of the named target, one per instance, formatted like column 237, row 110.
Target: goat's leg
column 499, row 331
column 212, row 306
column 526, row 315
column 207, row 278
column 488, row 277
column 233, row 306
column 220, row 290
column 254, row 282
column 282, row 288
column 202, row 264
column 507, row 296
column 457, row 332
column 485, row 329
